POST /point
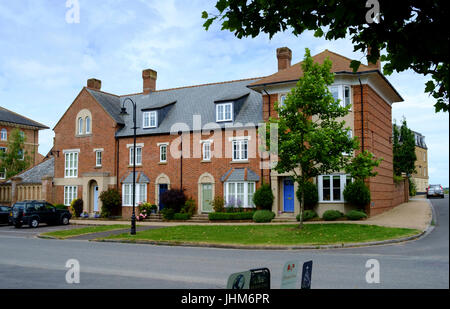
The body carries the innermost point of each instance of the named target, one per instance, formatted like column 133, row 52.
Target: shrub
column 173, row 199
column 356, row 215
column 263, row 197
column 168, row 214
column 218, row 204
column 77, row 207
column 412, row 187
column 189, row 208
column 262, row 216
column 181, row 216
column 308, row 215
column 311, row 195
column 110, row 200
column 357, row 194
column 217, row 216
column 60, row 206
column 145, row 208
column 331, row 215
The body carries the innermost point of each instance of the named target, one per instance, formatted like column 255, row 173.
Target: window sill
column 83, row 135
column 162, row 163
column 137, row 165
column 98, row 167
column 205, row 161
column 331, row 202
column 240, row 162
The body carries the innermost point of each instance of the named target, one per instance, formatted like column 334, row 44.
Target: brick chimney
column 284, row 56
column 377, row 64
column 95, row 84
column 149, row 77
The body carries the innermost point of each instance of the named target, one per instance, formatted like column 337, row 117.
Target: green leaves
column 15, row 159
column 354, row 64
column 362, row 166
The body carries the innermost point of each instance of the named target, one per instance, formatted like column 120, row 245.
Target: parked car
column 5, row 212
column 34, row 212
column 435, row 190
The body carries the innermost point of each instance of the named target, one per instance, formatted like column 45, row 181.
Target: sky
column 46, row 59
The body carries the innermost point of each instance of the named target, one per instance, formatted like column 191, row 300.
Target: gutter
column 270, row 169
column 362, row 114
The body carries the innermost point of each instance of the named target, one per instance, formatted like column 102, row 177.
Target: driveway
column 27, row 232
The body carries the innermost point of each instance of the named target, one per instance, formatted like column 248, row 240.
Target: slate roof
column 238, row 174
column 12, row 117
column 110, row 102
column 141, row 178
column 35, row 174
column 181, row 104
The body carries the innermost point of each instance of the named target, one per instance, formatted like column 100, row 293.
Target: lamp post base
column 133, row 225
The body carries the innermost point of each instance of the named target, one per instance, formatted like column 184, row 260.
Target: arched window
column 88, row 125
column 80, row 125
column 4, row 135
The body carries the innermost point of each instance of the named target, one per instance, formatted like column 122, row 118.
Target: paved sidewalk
column 416, row 214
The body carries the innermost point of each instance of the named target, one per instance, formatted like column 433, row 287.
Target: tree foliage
column 413, row 33
column 404, row 150
column 16, row 159
column 311, row 141
column 362, row 165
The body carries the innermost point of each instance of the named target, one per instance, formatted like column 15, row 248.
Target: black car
column 4, row 214
column 33, row 213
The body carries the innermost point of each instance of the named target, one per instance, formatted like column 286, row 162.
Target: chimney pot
column 149, row 77
column 284, row 56
column 95, row 84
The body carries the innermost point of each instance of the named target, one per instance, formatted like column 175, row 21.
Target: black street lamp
column 124, row 112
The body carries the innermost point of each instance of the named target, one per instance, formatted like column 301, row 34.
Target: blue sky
column 45, row 61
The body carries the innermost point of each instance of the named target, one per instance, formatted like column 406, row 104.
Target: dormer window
column 224, row 112
column 150, row 119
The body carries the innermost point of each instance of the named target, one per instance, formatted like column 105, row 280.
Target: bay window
column 127, row 194
column 331, row 187
column 239, row 194
column 342, row 93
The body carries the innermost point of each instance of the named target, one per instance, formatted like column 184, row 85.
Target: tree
column 362, row 165
column 404, row 150
column 311, row 141
column 412, row 32
column 15, row 159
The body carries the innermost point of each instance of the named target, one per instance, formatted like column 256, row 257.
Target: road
column 28, row 262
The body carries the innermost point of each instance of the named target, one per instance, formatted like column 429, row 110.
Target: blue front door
column 288, row 189
column 96, row 198
column 162, row 188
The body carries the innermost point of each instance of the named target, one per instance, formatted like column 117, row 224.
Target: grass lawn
column 84, row 230
column 273, row 235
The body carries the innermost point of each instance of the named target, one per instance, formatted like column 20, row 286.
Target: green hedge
column 357, row 194
column 231, row 216
column 331, row 215
column 307, row 215
column 262, row 216
column 356, row 215
column 181, row 216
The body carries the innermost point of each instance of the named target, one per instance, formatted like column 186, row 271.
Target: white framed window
column 240, row 150
column 342, row 93
column 80, row 126
column 138, row 156
column 3, row 173
column 4, row 135
column 239, row 194
column 150, row 119
column 70, row 193
column 331, row 187
column 163, row 153
column 88, row 125
column 71, row 165
column 98, row 158
column 282, row 100
column 127, row 194
column 207, row 151
column 224, row 112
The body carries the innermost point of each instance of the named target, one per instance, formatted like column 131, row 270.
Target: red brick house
column 9, row 121
column 204, row 139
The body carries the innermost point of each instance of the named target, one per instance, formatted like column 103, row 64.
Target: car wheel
column 65, row 220
column 34, row 223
